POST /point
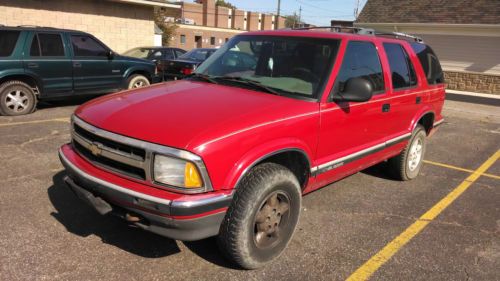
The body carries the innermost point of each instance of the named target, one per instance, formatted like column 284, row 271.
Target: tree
column 292, row 21
column 168, row 27
column 223, row 3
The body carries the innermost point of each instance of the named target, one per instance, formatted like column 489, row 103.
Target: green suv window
column 8, row 40
column 47, row 45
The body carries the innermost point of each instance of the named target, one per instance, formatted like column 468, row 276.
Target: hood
column 185, row 114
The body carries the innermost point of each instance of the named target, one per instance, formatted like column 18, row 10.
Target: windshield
column 294, row 66
column 197, row 54
column 141, row 53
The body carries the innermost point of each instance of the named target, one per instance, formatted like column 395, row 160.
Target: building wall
column 222, row 17
column 190, row 32
column 120, row 26
column 267, row 22
column 239, row 19
column 193, row 11
column 253, row 21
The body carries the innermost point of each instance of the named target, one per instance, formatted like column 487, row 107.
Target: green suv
column 45, row 63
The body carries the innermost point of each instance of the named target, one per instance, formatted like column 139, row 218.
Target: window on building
column 430, row 63
column 85, row 46
column 212, row 40
column 402, row 70
column 47, row 44
column 8, row 40
column 361, row 60
column 183, row 39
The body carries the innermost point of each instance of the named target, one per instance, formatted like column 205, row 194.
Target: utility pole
column 300, row 16
column 277, row 19
column 356, row 10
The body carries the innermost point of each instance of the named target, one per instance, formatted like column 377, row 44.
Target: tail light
column 187, row 70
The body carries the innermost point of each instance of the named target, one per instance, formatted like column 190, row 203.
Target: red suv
column 269, row 117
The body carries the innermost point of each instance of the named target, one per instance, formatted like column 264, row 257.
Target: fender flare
column 133, row 69
column 421, row 113
column 25, row 73
column 263, row 151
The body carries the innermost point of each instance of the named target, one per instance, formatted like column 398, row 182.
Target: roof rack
column 400, row 34
column 35, row 26
column 363, row 31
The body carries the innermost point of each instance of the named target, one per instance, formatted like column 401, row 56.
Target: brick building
column 203, row 24
column 121, row 24
column 465, row 34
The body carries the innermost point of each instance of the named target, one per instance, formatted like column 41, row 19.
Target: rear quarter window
column 430, row 63
column 8, row 40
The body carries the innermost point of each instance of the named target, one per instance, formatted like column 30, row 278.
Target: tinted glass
column 8, row 40
column 179, row 53
column 197, row 54
column 51, row 45
column 292, row 66
column 430, row 63
column 35, row 47
column 402, row 71
column 361, row 60
column 84, row 46
column 168, row 54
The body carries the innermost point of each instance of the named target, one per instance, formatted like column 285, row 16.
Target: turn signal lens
column 192, row 178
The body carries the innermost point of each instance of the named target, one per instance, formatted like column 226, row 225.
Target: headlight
column 176, row 172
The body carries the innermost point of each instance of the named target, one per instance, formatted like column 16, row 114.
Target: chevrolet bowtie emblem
column 94, row 148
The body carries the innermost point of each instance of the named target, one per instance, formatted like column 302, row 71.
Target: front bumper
column 175, row 217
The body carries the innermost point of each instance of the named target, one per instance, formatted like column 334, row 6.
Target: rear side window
column 47, row 45
column 430, row 63
column 8, row 40
column 85, row 46
column 402, row 70
column 361, row 60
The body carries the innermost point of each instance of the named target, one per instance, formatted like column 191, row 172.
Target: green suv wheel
column 16, row 98
column 137, row 81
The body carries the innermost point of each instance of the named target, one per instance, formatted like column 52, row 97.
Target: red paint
column 231, row 128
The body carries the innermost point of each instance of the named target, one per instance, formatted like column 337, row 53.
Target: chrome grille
column 128, row 156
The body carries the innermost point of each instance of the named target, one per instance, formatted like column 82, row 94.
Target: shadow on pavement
column 380, row 170
column 80, row 219
column 70, row 101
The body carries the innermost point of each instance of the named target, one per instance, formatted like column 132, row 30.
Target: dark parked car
column 39, row 63
column 185, row 64
column 155, row 54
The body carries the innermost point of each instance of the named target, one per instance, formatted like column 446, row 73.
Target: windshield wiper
column 203, row 77
column 248, row 82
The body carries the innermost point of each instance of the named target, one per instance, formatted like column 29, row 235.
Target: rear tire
column 16, row 98
column 262, row 218
column 406, row 166
column 137, row 81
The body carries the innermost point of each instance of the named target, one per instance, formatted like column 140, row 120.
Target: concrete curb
column 486, row 99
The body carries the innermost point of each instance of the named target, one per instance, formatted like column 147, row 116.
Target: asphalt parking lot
column 48, row 234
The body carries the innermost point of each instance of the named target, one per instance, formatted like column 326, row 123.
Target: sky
column 317, row 12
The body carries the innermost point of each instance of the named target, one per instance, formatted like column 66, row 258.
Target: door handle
column 418, row 100
column 33, row 65
column 77, row 64
column 386, row 107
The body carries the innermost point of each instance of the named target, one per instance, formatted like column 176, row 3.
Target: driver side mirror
column 110, row 54
column 356, row 90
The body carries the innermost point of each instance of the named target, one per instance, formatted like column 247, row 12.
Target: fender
column 423, row 111
column 21, row 72
column 257, row 154
column 134, row 68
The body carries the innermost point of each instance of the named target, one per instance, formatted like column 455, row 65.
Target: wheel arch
column 426, row 119
column 31, row 80
column 138, row 70
column 295, row 157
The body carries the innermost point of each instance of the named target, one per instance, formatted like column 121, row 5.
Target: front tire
column 262, row 218
column 137, row 81
column 16, row 98
column 406, row 166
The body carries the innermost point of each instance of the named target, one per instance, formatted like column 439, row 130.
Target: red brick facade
column 209, row 26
